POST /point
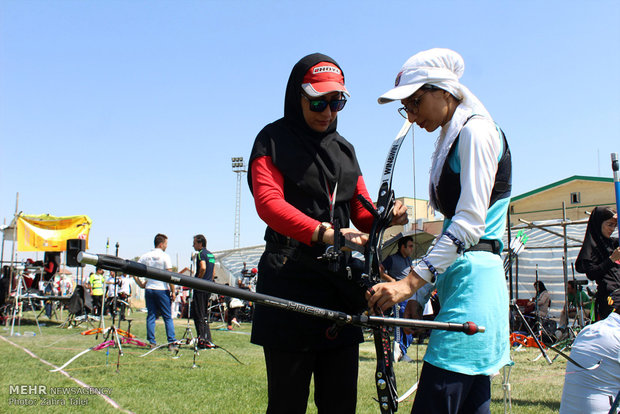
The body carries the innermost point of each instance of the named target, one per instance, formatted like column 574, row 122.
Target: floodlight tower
column 238, row 167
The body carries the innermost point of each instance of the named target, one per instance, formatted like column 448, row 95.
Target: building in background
column 421, row 217
column 578, row 193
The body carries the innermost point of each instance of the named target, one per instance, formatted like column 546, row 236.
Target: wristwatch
column 322, row 228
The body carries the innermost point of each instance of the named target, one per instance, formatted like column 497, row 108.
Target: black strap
column 491, row 246
column 299, row 252
column 312, row 257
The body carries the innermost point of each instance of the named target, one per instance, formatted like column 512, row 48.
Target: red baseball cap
column 322, row 78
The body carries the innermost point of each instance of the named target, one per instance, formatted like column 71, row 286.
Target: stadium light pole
column 238, row 167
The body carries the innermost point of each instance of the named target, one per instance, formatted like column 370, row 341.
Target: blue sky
column 129, row 111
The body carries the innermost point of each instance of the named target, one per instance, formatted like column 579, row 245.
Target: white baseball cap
column 430, row 66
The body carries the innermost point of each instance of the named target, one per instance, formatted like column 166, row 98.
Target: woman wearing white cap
column 304, row 177
column 470, row 185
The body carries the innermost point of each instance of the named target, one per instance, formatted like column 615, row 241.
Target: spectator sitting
column 574, row 298
column 539, row 305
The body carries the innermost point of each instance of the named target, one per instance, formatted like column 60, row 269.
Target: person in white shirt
column 593, row 391
column 158, row 295
column 124, row 293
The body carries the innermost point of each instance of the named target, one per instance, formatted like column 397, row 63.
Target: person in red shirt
column 305, row 177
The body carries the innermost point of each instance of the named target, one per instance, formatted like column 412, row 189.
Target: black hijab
column 311, row 162
column 594, row 243
column 593, row 258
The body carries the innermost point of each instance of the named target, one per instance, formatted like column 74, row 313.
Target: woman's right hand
column 384, row 295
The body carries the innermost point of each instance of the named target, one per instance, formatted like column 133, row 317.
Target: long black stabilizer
column 117, row 264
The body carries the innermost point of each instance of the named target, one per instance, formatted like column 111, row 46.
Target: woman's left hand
column 352, row 235
column 355, row 236
column 399, row 214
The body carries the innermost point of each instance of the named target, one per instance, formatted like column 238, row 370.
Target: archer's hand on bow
column 399, row 214
column 352, row 235
column 383, row 296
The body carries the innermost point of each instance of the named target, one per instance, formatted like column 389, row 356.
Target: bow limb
column 97, row 347
column 385, row 379
column 407, row 393
column 177, row 342
column 383, row 211
column 73, row 359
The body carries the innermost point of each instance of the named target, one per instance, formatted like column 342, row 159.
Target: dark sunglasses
column 319, row 105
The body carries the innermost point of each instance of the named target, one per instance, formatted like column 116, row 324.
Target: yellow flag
column 49, row 233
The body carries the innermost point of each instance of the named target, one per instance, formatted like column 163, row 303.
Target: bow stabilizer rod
column 118, row 264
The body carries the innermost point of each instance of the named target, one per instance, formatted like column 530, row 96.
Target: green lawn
column 163, row 384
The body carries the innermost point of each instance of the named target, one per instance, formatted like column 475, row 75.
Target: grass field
column 163, row 384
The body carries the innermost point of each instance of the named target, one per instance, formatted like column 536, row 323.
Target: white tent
column 544, row 250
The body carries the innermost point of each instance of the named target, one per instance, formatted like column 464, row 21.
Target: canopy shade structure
column 231, row 263
column 49, row 233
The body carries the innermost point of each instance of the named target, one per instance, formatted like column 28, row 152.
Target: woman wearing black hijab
column 599, row 257
column 304, row 177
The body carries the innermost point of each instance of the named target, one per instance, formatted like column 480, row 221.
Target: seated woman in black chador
column 599, row 257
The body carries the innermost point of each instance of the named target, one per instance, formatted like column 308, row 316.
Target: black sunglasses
column 319, row 105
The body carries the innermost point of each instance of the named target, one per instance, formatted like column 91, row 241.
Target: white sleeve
column 167, row 262
column 479, row 151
